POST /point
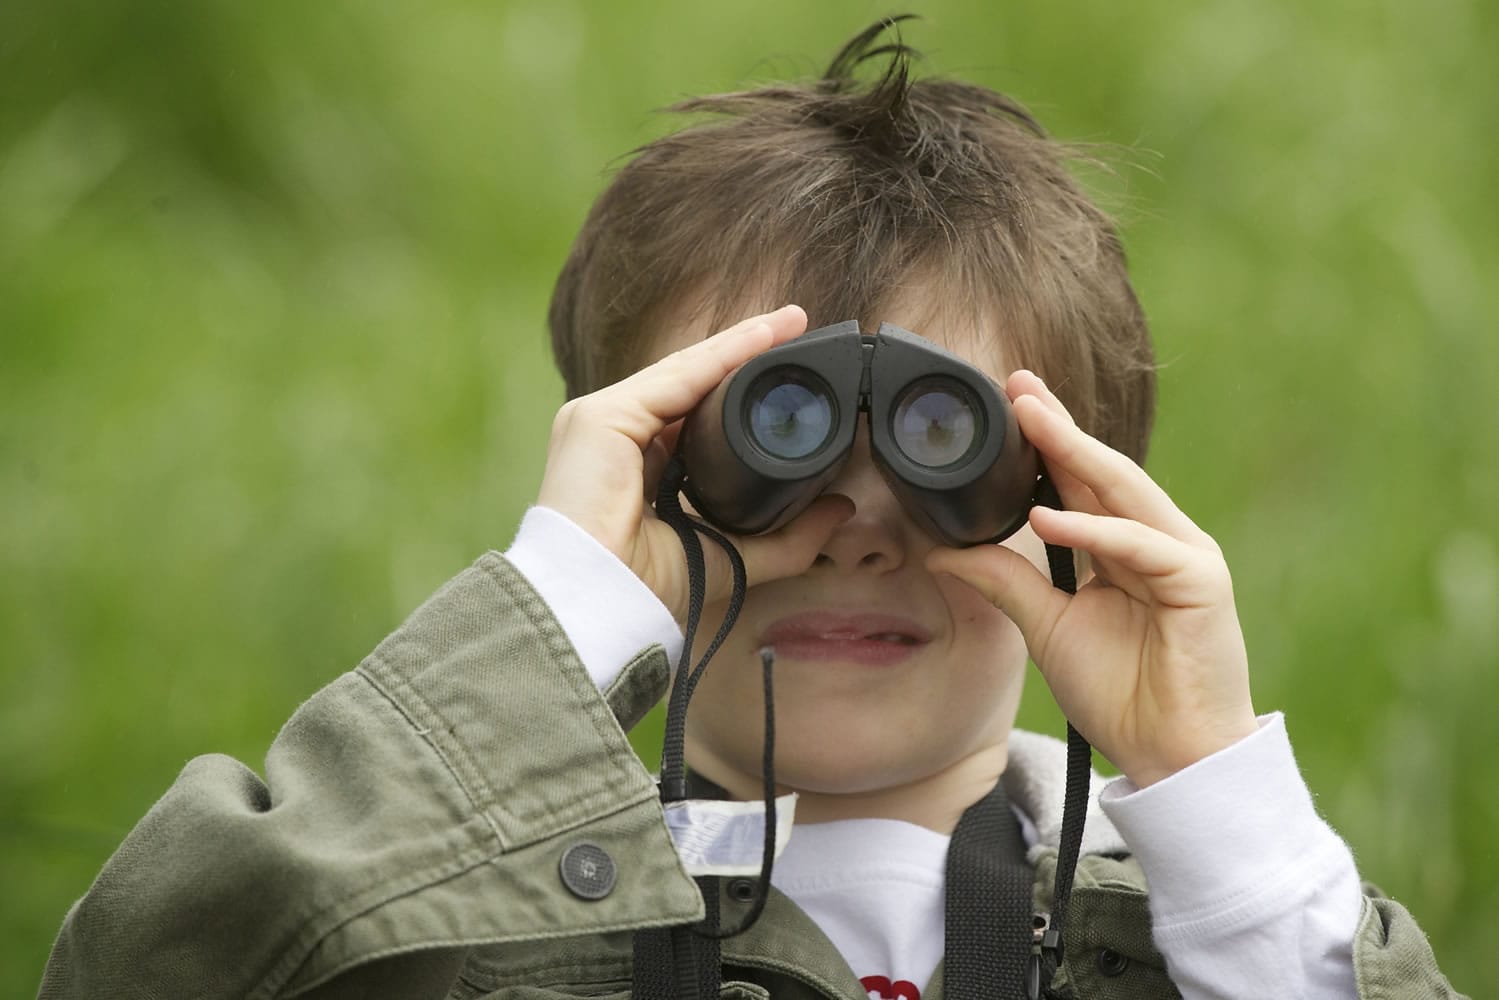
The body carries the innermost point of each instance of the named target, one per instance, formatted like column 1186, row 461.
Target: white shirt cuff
column 608, row 612
column 1251, row 893
column 1228, row 833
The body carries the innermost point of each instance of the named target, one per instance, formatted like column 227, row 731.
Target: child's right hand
column 608, row 450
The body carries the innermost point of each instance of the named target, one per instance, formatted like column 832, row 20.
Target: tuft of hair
column 846, row 195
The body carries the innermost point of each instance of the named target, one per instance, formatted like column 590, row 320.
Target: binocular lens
column 934, row 423
column 790, row 414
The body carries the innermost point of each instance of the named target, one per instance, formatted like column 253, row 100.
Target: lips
column 868, row 638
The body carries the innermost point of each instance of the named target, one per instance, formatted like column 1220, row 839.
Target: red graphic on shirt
column 881, row 988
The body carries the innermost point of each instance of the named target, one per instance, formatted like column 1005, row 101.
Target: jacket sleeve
column 417, row 805
column 1392, row 957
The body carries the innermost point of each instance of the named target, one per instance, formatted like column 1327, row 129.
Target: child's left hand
column 1148, row 659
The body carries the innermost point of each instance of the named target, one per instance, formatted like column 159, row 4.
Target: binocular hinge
column 866, row 381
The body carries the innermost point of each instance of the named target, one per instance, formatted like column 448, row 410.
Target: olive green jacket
column 406, row 841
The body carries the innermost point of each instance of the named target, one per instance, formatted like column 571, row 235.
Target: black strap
column 674, row 963
column 988, row 904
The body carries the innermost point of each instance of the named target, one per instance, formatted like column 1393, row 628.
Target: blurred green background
column 273, row 364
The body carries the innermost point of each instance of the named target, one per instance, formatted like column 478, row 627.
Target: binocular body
column 777, row 431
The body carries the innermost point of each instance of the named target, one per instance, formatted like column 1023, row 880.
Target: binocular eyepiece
column 774, row 434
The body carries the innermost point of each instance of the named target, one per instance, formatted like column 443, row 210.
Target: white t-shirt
column 875, row 888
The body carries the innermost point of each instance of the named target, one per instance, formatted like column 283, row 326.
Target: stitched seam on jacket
column 425, row 720
column 469, row 942
column 432, row 726
column 327, row 919
column 611, row 736
column 362, row 902
column 600, row 970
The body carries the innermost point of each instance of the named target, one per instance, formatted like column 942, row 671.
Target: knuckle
column 563, row 421
column 588, row 410
column 1214, row 573
column 568, row 411
column 1210, row 545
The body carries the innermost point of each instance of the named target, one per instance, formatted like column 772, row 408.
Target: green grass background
column 273, row 363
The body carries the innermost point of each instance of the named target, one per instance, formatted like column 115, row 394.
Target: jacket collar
column 1035, row 780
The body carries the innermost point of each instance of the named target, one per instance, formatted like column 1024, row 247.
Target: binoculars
column 777, row 431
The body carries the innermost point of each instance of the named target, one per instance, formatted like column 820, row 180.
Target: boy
column 462, row 815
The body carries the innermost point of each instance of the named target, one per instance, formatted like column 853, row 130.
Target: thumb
column 1012, row 584
column 792, row 548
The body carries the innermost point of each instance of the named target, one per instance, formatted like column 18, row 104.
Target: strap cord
column 1046, row 955
column 683, row 963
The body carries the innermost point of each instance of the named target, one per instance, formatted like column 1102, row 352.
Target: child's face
column 886, row 675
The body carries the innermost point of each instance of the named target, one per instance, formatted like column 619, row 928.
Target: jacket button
column 587, row 871
column 1111, row 963
column 741, row 890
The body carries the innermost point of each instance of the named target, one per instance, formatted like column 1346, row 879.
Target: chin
column 834, row 763
column 847, row 783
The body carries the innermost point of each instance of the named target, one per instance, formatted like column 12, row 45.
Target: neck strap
column 988, row 904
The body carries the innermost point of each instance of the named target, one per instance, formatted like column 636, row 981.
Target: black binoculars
column 775, row 433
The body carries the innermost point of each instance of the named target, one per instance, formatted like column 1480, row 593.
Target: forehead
column 976, row 335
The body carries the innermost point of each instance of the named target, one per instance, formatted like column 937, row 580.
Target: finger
column 657, row 455
column 791, row 549
column 669, row 435
column 1121, row 487
column 1023, row 382
column 1073, row 493
column 1012, row 584
column 642, row 404
column 1169, row 570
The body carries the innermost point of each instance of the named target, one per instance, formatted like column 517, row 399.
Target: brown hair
column 840, row 197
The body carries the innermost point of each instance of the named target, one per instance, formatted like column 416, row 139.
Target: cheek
column 971, row 610
column 983, row 633
column 977, row 622
column 988, row 664
column 968, row 606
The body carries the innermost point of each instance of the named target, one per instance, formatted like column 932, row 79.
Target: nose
column 875, row 539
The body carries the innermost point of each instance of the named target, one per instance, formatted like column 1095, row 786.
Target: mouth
column 866, row 638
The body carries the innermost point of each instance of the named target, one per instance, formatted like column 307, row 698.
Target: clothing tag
column 726, row 838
